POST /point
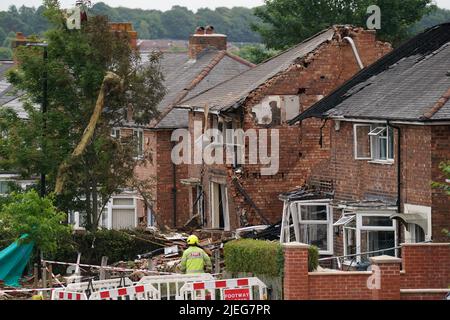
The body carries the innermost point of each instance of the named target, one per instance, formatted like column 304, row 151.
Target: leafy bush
column 255, row 256
column 36, row 216
column 313, row 258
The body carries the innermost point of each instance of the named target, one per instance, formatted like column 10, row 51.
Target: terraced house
column 234, row 195
column 390, row 130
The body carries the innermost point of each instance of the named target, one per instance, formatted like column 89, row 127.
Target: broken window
column 311, row 223
column 275, row 110
column 373, row 142
column 219, row 206
column 138, row 135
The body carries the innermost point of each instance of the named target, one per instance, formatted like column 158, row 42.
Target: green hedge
column 261, row 257
column 255, row 256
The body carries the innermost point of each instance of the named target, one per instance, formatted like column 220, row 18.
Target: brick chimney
column 203, row 38
column 118, row 27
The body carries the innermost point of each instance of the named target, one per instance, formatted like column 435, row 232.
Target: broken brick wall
column 307, row 146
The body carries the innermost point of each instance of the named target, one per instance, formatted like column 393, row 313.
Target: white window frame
column 111, row 206
column 355, row 141
column 297, row 220
column 375, row 136
column 140, row 144
column 360, row 228
column 375, row 130
column 115, row 133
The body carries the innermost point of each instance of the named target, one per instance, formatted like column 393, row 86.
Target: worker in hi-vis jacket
column 195, row 259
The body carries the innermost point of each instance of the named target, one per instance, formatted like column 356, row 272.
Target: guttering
column 405, row 122
column 355, row 52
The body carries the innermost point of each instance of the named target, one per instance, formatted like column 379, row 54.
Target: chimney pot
column 209, row 30
column 200, row 30
column 205, row 38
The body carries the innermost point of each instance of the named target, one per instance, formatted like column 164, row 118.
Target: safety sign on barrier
column 236, row 294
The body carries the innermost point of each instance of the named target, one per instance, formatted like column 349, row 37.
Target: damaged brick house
column 232, row 195
column 390, row 130
column 206, row 64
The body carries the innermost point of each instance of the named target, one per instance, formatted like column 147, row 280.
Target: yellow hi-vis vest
column 195, row 260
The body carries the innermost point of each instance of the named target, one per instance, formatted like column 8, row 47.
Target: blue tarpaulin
column 13, row 261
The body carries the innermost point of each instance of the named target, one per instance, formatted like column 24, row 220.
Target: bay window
column 365, row 233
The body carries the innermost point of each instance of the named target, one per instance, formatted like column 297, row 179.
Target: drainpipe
column 355, row 52
column 399, row 174
column 174, row 191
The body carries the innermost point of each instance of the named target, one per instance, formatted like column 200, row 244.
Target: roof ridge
column 266, row 61
column 240, row 59
column 437, row 106
column 200, row 76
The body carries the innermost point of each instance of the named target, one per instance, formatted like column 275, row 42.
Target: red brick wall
column 425, row 266
column 440, row 151
column 340, row 286
column 324, row 70
column 423, row 149
column 164, row 186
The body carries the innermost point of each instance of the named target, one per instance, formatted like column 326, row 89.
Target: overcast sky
column 165, row 4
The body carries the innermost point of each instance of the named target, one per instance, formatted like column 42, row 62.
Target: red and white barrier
column 228, row 289
column 99, row 285
column 137, row 292
column 169, row 286
column 63, row 294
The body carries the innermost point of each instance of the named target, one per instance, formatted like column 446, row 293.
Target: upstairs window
column 374, row 142
column 138, row 135
column 115, row 133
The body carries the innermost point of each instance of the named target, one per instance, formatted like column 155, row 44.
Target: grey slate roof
column 180, row 72
column 235, row 90
column 406, row 84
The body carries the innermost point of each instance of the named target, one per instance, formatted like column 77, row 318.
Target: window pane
column 311, row 213
column 123, row 201
column 377, row 240
column 382, row 141
column 362, row 140
column 350, row 236
column 376, row 221
column 4, row 187
column 315, row 234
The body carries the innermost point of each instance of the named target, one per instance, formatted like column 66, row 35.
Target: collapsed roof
column 234, row 91
column 412, row 83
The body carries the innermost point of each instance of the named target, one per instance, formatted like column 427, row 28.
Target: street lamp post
column 44, row 102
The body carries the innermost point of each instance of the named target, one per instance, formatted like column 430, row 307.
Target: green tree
column 78, row 61
column 179, row 22
column 256, row 53
column 5, row 53
column 36, row 216
column 288, row 22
